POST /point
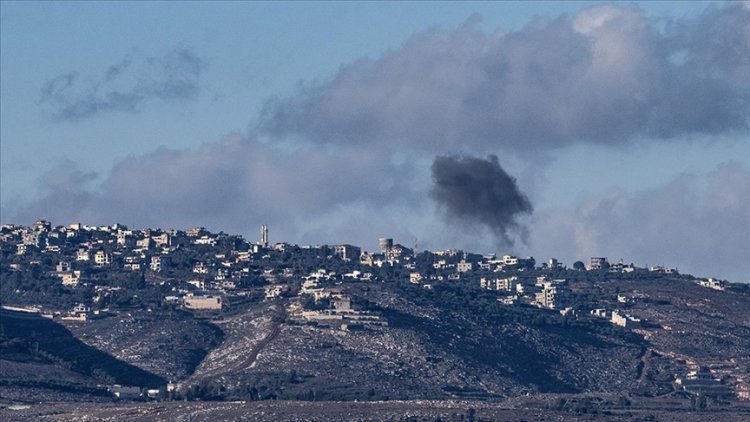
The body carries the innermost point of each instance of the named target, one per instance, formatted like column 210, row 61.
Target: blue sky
column 201, row 83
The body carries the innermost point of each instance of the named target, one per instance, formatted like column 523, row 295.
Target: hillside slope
column 40, row 355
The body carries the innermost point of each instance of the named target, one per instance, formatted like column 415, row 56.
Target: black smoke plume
column 477, row 190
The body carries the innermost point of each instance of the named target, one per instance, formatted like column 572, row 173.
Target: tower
column 385, row 245
column 264, row 235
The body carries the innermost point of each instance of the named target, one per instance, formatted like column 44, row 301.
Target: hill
column 40, row 355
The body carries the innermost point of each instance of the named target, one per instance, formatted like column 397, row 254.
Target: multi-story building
column 158, row 263
column 347, row 252
column 464, row 266
column 71, row 278
column 102, row 257
column 385, row 245
column 553, row 294
column 597, row 263
column 161, row 240
column 510, row 260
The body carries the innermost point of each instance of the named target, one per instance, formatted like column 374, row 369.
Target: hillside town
column 79, row 273
column 203, row 269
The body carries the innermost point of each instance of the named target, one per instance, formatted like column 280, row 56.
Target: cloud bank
column 125, row 86
column 605, row 75
column 234, row 185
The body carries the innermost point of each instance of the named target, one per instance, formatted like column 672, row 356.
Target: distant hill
column 453, row 342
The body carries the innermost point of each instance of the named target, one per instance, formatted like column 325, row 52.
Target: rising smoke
column 477, row 190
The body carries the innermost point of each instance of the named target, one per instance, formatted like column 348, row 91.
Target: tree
column 702, row 402
column 578, row 265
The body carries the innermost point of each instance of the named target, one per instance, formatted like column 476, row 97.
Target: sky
column 545, row 129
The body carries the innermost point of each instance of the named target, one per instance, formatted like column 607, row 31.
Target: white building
column 210, row 303
column 624, row 320
column 274, row 291
column 464, row 266
column 553, row 294
column 63, row 267
column 712, row 284
column 102, row 257
column 83, row 254
column 510, row 260
column 597, row 263
column 71, row 278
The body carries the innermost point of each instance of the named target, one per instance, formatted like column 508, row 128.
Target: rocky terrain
column 431, row 348
column 540, row 408
column 169, row 344
column 41, row 360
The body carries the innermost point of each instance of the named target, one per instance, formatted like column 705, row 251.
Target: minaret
column 264, row 235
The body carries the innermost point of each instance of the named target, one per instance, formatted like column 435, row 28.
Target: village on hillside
column 78, row 273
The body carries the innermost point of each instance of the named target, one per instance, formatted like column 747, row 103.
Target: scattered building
column 510, row 260
column 208, row 303
column 712, row 284
column 415, row 277
column 63, row 267
column 275, row 291
column 102, row 257
column 125, row 392
column 464, row 266
column 200, row 268
column 502, row 284
column 347, row 252
column 702, row 382
column 552, row 264
column 79, row 312
column 624, row 320
column 597, row 263
column 158, row 263
column 742, row 389
column 599, row 313
column 553, row 294
column 71, row 278
column 385, row 245
column 161, row 240
column 83, row 255
column 663, row 270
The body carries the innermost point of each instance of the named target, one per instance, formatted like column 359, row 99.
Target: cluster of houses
column 80, row 252
column 538, row 291
column 220, row 264
column 712, row 284
column 341, row 314
column 702, row 381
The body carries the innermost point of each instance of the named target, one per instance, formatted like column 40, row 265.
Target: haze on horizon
column 574, row 129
